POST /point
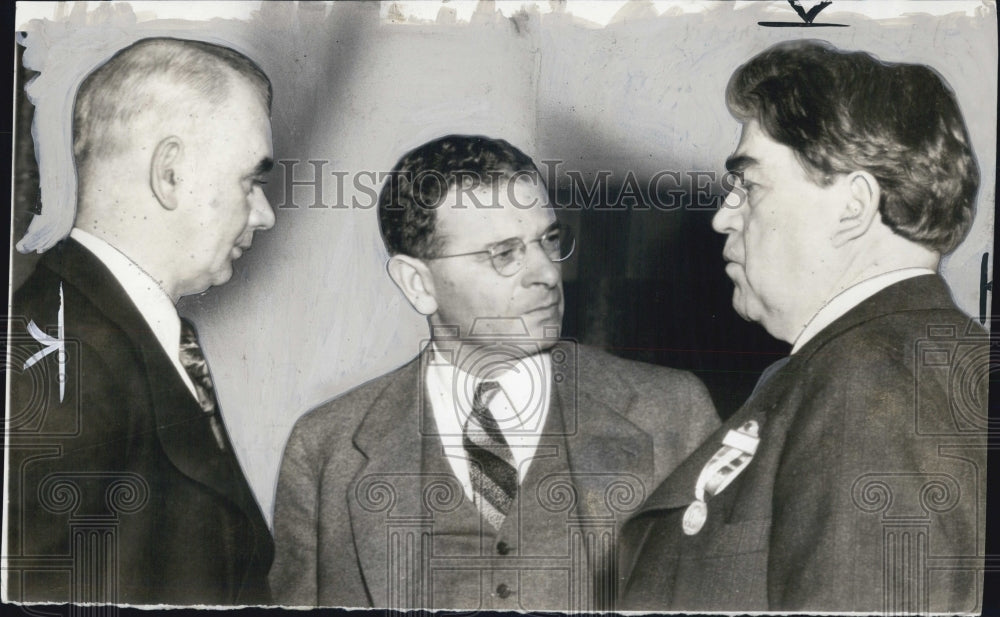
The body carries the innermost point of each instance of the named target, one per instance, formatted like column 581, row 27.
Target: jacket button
column 503, row 591
column 503, row 548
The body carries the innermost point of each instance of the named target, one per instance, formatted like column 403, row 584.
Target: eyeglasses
column 507, row 256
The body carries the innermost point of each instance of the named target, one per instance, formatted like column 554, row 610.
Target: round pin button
column 694, row 517
column 503, row 591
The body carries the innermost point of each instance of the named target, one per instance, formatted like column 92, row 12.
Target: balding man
column 123, row 482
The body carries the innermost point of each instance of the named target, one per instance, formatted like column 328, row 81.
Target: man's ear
column 163, row 178
column 859, row 209
column 415, row 280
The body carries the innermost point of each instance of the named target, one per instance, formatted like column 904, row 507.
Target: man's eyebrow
column 554, row 226
column 737, row 164
column 265, row 165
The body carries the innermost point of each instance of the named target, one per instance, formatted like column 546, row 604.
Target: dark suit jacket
column 867, row 490
column 125, row 465
column 630, row 421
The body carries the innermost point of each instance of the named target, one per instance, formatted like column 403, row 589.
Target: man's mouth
column 546, row 307
column 240, row 248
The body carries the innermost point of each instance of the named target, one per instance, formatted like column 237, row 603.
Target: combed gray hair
column 130, row 83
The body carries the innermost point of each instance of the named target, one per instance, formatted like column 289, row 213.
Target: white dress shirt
column 153, row 303
column 520, row 408
column 851, row 297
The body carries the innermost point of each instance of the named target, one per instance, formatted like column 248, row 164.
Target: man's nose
column 539, row 268
column 261, row 213
column 727, row 218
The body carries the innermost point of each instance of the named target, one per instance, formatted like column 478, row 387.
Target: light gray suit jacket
column 352, row 466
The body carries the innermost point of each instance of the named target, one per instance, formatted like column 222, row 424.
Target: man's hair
column 843, row 111
column 135, row 79
column 407, row 205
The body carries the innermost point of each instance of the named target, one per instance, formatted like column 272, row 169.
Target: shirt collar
column 525, row 381
column 843, row 302
column 149, row 298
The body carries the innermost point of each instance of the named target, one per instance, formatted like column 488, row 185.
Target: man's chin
column 223, row 276
column 219, row 277
column 750, row 308
column 543, row 341
column 741, row 299
column 741, row 304
column 738, row 307
column 545, row 331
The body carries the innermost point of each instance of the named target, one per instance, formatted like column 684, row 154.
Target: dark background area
column 651, row 286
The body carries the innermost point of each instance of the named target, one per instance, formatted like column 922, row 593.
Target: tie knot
column 485, row 392
column 191, row 355
column 193, row 360
column 189, row 336
column 481, row 417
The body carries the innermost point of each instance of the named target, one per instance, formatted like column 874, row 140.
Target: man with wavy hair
column 853, row 478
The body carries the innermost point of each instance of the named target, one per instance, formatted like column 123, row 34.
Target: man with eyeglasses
column 494, row 470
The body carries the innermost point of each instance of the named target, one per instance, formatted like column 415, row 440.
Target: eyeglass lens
column 508, row 256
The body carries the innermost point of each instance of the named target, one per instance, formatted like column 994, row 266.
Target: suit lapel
column 917, row 293
column 604, row 447
column 182, row 427
column 677, row 491
column 389, row 438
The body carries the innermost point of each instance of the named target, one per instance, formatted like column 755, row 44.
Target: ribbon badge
column 738, row 448
column 50, row 345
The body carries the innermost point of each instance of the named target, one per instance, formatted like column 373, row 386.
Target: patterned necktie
column 491, row 463
column 193, row 361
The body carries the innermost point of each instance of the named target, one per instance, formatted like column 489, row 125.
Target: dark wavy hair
column 844, row 111
column 408, row 202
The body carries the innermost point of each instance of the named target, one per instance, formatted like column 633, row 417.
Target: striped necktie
column 491, row 463
column 193, row 360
